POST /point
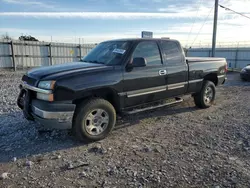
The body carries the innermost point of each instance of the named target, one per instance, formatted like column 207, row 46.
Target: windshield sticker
column 119, row 51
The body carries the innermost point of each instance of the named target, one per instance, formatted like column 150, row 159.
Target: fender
column 79, row 86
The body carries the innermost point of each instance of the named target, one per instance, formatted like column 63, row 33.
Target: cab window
column 150, row 51
column 172, row 53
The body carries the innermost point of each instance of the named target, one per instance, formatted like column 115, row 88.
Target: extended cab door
column 177, row 69
column 148, row 83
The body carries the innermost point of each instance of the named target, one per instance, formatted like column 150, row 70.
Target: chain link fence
column 237, row 58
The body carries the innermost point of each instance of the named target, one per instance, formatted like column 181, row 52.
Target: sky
column 93, row 21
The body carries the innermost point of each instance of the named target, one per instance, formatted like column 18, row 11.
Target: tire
column 201, row 99
column 86, row 125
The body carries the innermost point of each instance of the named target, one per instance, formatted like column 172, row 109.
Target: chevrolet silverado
column 117, row 77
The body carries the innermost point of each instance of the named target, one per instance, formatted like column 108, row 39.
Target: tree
column 6, row 37
column 27, row 38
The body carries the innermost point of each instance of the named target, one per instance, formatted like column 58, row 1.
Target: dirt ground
column 181, row 146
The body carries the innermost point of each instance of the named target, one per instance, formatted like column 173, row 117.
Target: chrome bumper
column 221, row 79
column 53, row 115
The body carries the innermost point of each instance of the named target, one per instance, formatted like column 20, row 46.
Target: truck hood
column 62, row 69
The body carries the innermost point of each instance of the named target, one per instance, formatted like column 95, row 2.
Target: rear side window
column 172, row 53
column 149, row 51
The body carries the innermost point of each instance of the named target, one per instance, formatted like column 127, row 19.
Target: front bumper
column 55, row 115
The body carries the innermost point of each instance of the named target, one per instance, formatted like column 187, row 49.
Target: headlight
column 47, row 84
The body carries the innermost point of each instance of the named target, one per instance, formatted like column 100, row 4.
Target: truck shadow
column 20, row 138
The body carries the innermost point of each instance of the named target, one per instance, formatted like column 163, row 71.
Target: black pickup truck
column 117, row 77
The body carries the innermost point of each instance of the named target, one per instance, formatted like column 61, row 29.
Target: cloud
column 201, row 8
column 29, row 3
column 97, row 15
column 178, row 19
column 13, row 30
column 178, row 31
column 193, row 10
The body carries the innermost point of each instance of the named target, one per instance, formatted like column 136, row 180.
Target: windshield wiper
column 97, row 62
column 83, row 60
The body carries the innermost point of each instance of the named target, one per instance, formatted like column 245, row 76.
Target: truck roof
column 143, row 39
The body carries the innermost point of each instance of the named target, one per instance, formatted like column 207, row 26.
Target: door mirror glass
column 139, row 62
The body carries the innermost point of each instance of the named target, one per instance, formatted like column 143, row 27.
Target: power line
column 234, row 11
column 202, row 26
column 194, row 21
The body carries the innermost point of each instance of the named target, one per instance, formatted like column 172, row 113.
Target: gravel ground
column 181, row 146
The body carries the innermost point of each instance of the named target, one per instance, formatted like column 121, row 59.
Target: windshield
column 108, row 53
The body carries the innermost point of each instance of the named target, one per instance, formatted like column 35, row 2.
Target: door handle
column 162, row 72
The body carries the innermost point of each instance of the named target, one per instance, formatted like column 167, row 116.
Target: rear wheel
column 94, row 120
column 205, row 98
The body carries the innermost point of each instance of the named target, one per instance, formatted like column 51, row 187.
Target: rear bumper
column 221, row 79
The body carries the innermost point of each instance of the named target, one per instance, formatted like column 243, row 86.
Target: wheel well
column 212, row 77
column 105, row 93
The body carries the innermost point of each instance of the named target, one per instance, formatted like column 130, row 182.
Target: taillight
column 226, row 68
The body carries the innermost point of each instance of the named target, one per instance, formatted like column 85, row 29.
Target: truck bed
column 199, row 67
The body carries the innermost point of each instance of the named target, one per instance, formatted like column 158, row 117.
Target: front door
column 145, row 84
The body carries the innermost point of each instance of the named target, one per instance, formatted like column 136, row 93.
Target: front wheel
column 94, row 120
column 205, row 98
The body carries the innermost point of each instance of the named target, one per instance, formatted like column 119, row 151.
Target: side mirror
column 139, row 62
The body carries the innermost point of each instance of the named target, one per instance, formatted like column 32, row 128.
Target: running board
column 178, row 100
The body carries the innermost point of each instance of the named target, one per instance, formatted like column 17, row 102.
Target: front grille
column 29, row 80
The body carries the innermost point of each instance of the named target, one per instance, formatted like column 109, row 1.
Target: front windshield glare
column 108, row 53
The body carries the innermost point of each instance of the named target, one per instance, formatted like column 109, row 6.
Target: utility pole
column 215, row 27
